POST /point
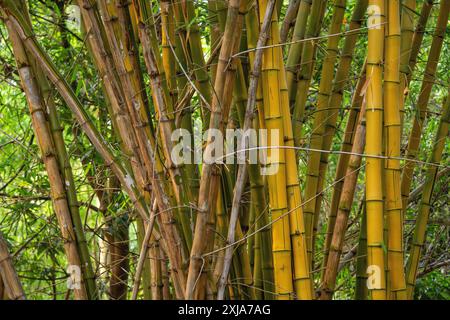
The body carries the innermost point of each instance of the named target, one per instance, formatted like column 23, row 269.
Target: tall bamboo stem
column 318, row 128
column 424, row 96
column 392, row 127
column 374, row 146
column 296, row 48
column 419, row 236
column 345, row 207
column 46, row 144
column 206, row 187
column 334, row 106
column 306, row 68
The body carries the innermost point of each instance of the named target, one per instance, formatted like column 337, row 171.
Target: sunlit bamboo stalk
column 392, row 127
column 374, row 145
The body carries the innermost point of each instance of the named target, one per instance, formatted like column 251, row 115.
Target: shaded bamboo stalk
column 66, row 92
column 335, row 101
column 289, row 18
column 419, row 236
column 206, row 187
column 422, row 103
column 306, row 69
column 119, row 251
column 49, row 154
column 345, row 207
column 334, row 106
column 249, row 118
column 143, row 253
column 319, row 126
column 361, row 290
column 65, row 169
column 425, row 12
column 296, row 48
column 8, row 276
column 407, row 33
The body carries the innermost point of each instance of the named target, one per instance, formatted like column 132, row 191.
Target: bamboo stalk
column 196, row 53
column 427, row 6
column 97, row 140
column 156, row 275
column 271, row 119
column 145, row 273
column 257, row 183
column 374, row 143
column 420, row 229
column 345, row 207
column 296, row 48
column 407, row 33
column 167, row 44
column 361, row 260
column 184, row 60
column 422, row 103
column 242, row 173
column 291, row 14
column 318, row 128
column 49, row 154
column 8, row 275
column 276, row 94
column 105, row 65
column 306, row 69
column 392, row 127
column 334, row 106
column 119, row 250
column 206, row 187
column 143, row 253
column 66, row 171
column 162, row 102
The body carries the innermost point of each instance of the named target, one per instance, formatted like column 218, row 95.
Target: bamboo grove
column 349, row 104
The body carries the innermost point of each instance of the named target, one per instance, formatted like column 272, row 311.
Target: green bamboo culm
column 420, row 228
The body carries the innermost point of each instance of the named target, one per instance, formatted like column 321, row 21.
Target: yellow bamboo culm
column 374, row 145
column 392, row 127
column 276, row 162
column 301, row 273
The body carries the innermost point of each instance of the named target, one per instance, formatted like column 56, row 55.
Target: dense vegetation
column 93, row 204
